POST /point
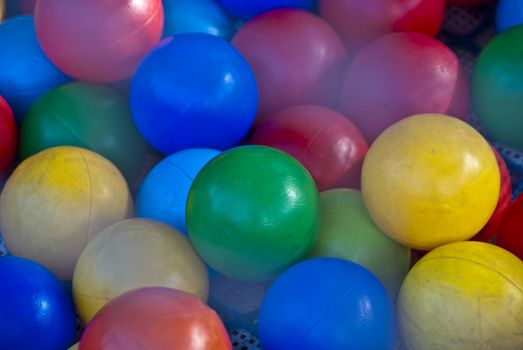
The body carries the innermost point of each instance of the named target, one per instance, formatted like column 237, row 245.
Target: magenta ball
column 297, row 58
column 400, row 75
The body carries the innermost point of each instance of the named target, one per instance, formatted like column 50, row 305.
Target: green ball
column 85, row 115
column 252, row 212
column 497, row 87
column 348, row 232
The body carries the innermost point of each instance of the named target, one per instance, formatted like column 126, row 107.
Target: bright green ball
column 252, row 212
column 348, row 232
column 85, row 115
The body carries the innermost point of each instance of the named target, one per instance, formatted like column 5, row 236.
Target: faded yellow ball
column 462, row 296
column 133, row 254
column 430, row 180
column 2, row 10
column 56, row 201
column 74, row 347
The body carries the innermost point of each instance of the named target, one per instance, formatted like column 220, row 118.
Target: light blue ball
column 25, row 72
column 509, row 14
column 197, row 16
column 163, row 194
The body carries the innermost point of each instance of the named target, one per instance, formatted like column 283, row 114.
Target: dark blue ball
column 329, row 304
column 246, row 9
column 163, row 193
column 194, row 91
column 36, row 312
column 25, row 72
column 509, row 14
column 197, row 16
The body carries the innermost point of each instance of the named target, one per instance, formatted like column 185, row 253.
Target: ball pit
column 298, row 314
column 56, row 201
column 464, row 295
column 173, row 80
column 8, row 138
column 347, row 232
column 252, row 211
column 198, row 16
column 361, row 22
column 92, row 43
column 26, row 73
column 429, row 180
column 248, row 9
column 132, row 254
column 156, row 318
column 92, row 116
column 36, row 311
column 496, row 82
column 282, row 48
column 323, row 140
column 385, row 82
column 163, row 194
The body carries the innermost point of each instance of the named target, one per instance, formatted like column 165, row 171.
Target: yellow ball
column 462, row 296
column 56, row 201
column 430, row 180
column 74, row 347
column 2, row 10
column 133, row 254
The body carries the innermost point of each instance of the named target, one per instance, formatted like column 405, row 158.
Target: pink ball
column 98, row 40
column 323, row 140
column 361, row 21
column 399, row 75
column 297, row 58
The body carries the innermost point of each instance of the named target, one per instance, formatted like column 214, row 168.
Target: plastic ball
column 171, row 83
column 248, row 9
column 360, row 22
column 347, row 232
column 74, row 347
column 323, row 140
column 385, row 82
column 98, row 40
column 163, row 194
column 282, row 47
column 505, row 197
column 327, row 304
column 56, row 201
column 2, row 9
column 36, row 311
column 465, row 295
column 252, row 212
column 8, row 138
column 156, row 319
column 199, row 16
column 27, row 74
column 497, row 91
column 510, row 234
column 133, row 254
column 509, row 14
column 430, row 180
column 92, row 116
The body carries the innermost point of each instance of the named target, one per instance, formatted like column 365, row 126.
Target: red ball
column 8, row 138
column 505, row 196
column 155, row 319
column 399, row 75
column 359, row 22
column 297, row 58
column 510, row 233
column 98, row 40
column 323, row 140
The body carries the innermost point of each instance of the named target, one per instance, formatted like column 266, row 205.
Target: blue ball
column 246, row 9
column 330, row 304
column 194, row 90
column 509, row 14
column 35, row 310
column 25, row 72
column 163, row 194
column 197, row 16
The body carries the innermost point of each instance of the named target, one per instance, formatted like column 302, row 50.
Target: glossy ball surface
column 430, row 180
column 252, row 212
column 298, row 314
